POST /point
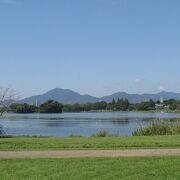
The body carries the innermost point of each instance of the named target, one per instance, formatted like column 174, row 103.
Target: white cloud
column 162, row 88
column 138, row 81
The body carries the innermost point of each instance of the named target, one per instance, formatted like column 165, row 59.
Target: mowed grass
column 91, row 168
column 77, row 143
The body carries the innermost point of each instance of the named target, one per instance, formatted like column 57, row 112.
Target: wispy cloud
column 138, row 81
column 162, row 88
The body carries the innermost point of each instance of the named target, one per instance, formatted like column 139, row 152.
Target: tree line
column 116, row 105
column 47, row 107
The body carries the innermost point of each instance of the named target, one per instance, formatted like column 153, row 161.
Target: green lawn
column 70, row 143
column 160, row 168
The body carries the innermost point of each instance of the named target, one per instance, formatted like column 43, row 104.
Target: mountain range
column 67, row 96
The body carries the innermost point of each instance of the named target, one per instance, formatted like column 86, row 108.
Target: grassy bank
column 91, row 168
column 70, row 143
column 159, row 128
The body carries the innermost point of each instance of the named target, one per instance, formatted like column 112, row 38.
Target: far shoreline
column 102, row 111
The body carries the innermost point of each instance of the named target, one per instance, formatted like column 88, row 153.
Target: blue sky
column 91, row 46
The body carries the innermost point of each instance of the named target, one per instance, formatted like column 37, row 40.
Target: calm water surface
column 86, row 124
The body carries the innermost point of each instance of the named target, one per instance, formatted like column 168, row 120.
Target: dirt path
column 90, row 153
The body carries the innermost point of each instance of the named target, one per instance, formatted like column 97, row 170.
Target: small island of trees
column 51, row 107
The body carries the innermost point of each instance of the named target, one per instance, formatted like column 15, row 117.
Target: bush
column 102, row 133
column 159, row 128
column 75, row 136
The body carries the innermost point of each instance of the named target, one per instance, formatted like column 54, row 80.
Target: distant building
column 161, row 100
column 162, row 104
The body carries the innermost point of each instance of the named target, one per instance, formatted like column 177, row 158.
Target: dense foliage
column 144, row 106
column 51, row 107
column 47, row 107
column 173, row 104
column 119, row 105
column 23, row 108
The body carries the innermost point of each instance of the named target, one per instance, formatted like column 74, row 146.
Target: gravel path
column 90, row 153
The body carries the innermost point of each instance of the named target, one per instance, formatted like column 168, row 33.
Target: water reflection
column 85, row 124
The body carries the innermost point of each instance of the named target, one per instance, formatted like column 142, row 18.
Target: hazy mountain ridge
column 67, row 96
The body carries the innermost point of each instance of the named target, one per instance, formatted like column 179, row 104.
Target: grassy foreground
column 91, row 168
column 70, row 143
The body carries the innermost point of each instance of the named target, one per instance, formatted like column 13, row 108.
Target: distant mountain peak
column 68, row 96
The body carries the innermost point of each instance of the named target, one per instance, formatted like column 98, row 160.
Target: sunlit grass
column 91, row 168
column 51, row 143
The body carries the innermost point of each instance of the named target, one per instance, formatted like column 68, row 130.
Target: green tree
column 23, row 108
column 113, row 104
column 122, row 104
column 172, row 104
column 145, row 106
column 7, row 97
column 51, row 107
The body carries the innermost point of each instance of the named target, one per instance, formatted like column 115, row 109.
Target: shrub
column 159, row 128
column 102, row 133
column 75, row 136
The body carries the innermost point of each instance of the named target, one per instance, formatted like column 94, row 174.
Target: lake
column 86, row 124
